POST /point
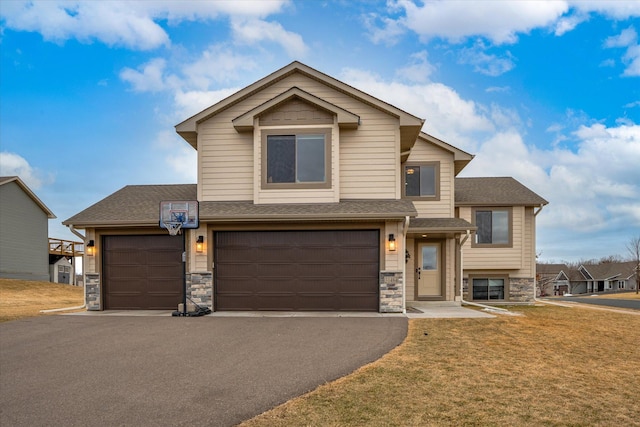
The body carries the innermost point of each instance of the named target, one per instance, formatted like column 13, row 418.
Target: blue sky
column 546, row 92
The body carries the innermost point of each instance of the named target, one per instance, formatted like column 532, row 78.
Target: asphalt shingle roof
column 497, row 191
column 140, row 205
column 451, row 224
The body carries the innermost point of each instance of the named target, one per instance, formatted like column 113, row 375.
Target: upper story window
column 494, row 227
column 296, row 160
column 422, row 180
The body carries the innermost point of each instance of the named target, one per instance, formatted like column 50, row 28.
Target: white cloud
column 614, row 9
column 216, row 64
column 12, row 164
column 192, row 102
column 498, row 21
column 490, row 65
column 419, row 70
column 255, row 31
column 132, row 24
column 388, row 31
column 113, row 23
column 181, row 158
column 149, row 78
column 447, row 115
column 595, row 187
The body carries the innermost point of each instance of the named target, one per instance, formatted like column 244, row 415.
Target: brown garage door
column 142, row 272
column 335, row 270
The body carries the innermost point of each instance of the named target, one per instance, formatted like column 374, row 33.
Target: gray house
column 24, row 229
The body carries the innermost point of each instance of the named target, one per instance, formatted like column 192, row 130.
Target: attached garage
column 314, row 270
column 142, row 272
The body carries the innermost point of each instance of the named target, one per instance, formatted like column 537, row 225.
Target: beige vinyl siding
column 394, row 260
column 89, row 264
column 225, row 160
column 198, row 262
column 496, row 258
column 410, row 282
column 529, row 241
column 367, row 157
column 450, row 269
column 443, row 208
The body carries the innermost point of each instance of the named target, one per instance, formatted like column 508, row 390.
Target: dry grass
column 24, row 298
column 554, row 366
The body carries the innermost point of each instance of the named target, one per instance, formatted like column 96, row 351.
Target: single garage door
column 142, row 272
column 334, row 270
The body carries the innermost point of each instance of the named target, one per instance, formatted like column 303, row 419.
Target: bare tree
column 634, row 250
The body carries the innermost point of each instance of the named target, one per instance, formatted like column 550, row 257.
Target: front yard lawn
column 553, row 366
column 24, row 298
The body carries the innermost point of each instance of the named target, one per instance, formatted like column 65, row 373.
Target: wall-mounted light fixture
column 392, row 242
column 91, row 248
column 200, row 244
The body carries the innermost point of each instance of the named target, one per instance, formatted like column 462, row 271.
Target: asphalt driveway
column 161, row 371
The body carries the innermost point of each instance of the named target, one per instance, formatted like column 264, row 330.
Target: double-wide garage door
column 334, row 270
column 142, row 272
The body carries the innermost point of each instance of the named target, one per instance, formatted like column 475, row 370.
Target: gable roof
column 139, row 205
column 460, row 158
column 610, row 270
column 346, row 119
column 7, row 179
column 497, row 191
column 410, row 125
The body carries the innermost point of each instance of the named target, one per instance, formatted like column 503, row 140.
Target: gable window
column 494, row 226
column 293, row 160
column 422, row 180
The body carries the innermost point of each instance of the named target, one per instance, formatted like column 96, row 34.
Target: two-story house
column 314, row 195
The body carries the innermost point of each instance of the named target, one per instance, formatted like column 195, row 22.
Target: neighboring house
column 553, row 279
column 314, row 195
column 24, row 228
column 60, row 269
column 609, row 277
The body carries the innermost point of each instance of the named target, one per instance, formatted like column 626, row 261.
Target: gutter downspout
column 405, row 227
column 462, row 300
column 84, row 305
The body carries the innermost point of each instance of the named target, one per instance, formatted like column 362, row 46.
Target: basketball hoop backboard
column 175, row 215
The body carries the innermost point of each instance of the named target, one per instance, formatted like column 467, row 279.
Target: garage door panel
column 297, row 270
column 142, row 272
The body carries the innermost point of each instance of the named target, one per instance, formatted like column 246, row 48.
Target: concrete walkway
column 415, row 310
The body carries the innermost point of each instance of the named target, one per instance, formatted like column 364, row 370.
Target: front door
column 429, row 272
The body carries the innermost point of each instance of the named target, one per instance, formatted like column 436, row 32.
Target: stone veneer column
column 92, row 291
column 391, row 291
column 200, row 288
column 521, row 289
